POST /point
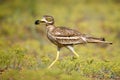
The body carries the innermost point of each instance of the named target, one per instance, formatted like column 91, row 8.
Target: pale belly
column 52, row 39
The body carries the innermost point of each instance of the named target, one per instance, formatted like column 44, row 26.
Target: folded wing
column 67, row 36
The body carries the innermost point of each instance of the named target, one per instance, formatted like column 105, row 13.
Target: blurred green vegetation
column 25, row 52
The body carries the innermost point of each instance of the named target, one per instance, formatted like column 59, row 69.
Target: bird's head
column 48, row 20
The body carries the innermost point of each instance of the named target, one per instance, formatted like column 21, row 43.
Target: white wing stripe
column 75, row 37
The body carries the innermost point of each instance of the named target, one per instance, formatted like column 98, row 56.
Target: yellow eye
column 48, row 19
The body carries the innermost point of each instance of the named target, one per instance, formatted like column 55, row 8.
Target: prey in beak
column 43, row 20
column 48, row 20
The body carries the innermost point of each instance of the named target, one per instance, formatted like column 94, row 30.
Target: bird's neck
column 50, row 27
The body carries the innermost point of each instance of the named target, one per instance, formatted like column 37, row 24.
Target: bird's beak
column 43, row 20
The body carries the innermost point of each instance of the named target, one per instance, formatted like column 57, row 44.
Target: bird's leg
column 72, row 49
column 58, row 52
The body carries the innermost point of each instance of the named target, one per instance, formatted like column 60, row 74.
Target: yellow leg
column 75, row 53
column 58, row 52
column 72, row 49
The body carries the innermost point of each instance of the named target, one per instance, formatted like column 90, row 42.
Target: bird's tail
column 97, row 40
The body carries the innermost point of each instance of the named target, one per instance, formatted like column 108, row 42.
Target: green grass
column 25, row 52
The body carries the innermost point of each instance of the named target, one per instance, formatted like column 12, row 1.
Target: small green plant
column 25, row 52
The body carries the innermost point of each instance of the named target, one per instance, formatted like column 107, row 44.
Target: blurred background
column 25, row 49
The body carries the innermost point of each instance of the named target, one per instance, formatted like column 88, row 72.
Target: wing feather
column 66, row 36
column 65, row 32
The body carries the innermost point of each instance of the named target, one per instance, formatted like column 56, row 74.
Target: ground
column 25, row 51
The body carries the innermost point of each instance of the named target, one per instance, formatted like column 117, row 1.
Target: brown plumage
column 65, row 37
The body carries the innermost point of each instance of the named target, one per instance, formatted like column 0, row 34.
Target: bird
column 62, row 36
